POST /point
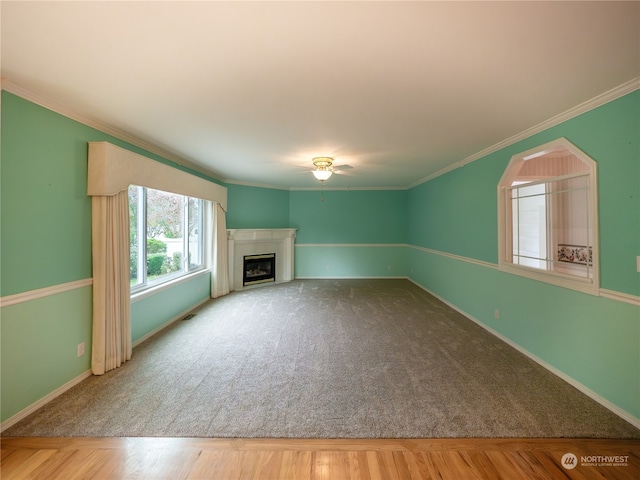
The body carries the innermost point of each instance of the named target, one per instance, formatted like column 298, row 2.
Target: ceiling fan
column 324, row 168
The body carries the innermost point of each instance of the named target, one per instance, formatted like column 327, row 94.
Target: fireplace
column 256, row 242
column 259, row 269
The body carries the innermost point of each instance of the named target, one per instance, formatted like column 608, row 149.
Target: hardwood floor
column 225, row 459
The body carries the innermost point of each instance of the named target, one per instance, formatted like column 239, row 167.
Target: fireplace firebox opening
column 259, row 269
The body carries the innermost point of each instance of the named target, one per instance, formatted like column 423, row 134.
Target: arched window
column 547, row 207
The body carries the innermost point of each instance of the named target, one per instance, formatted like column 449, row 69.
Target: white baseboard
column 571, row 381
column 583, row 388
column 60, row 390
column 364, row 277
column 169, row 322
column 43, row 401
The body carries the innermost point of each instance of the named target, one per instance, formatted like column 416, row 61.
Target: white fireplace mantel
column 257, row 241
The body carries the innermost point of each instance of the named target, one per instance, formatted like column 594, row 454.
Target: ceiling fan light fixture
column 322, row 175
column 323, row 168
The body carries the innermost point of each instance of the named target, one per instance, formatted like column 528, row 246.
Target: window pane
column 166, row 229
column 548, row 211
column 195, row 233
column 530, row 226
column 135, row 219
column 164, row 233
column 570, row 226
column 551, row 228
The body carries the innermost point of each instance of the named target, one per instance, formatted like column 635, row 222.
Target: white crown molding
column 598, row 101
column 437, row 174
column 56, row 107
column 44, row 292
column 166, row 152
column 305, row 189
column 347, row 189
column 256, row 185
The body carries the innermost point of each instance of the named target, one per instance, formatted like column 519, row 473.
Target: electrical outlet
column 81, row 349
column 388, row 267
column 328, row 267
column 496, row 314
column 638, row 264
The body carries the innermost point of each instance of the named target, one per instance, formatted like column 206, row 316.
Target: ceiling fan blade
column 346, row 172
column 300, row 169
column 342, row 167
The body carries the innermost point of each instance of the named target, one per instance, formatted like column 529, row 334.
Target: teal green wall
column 45, row 240
column 328, row 261
column 254, row 207
column 154, row 311
column 594, row 340
column 611, row 136
column 352, row 216
column 353, row 233
column 45, row 209
column 39, row 342
column 457, row 212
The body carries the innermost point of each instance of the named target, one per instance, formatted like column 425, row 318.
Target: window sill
column 584, row 285
column 150, row 291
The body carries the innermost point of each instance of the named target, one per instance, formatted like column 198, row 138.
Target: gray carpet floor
column 326, row 359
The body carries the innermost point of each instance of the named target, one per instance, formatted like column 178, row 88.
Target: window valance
column 112, row 169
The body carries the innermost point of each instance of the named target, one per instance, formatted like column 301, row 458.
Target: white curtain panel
column 111, row 345
column 219, row 255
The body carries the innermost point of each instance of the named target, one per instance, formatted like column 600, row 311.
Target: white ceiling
column 251, row 91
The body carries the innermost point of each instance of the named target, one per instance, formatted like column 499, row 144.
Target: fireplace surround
column 257, row 242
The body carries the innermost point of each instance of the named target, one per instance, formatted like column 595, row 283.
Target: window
column 171, row 226
column 547, row 201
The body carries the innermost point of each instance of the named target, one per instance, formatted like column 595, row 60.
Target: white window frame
column 505, row 254
column 186, row 270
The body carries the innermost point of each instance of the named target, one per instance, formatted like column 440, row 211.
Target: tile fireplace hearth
column 259, row 242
